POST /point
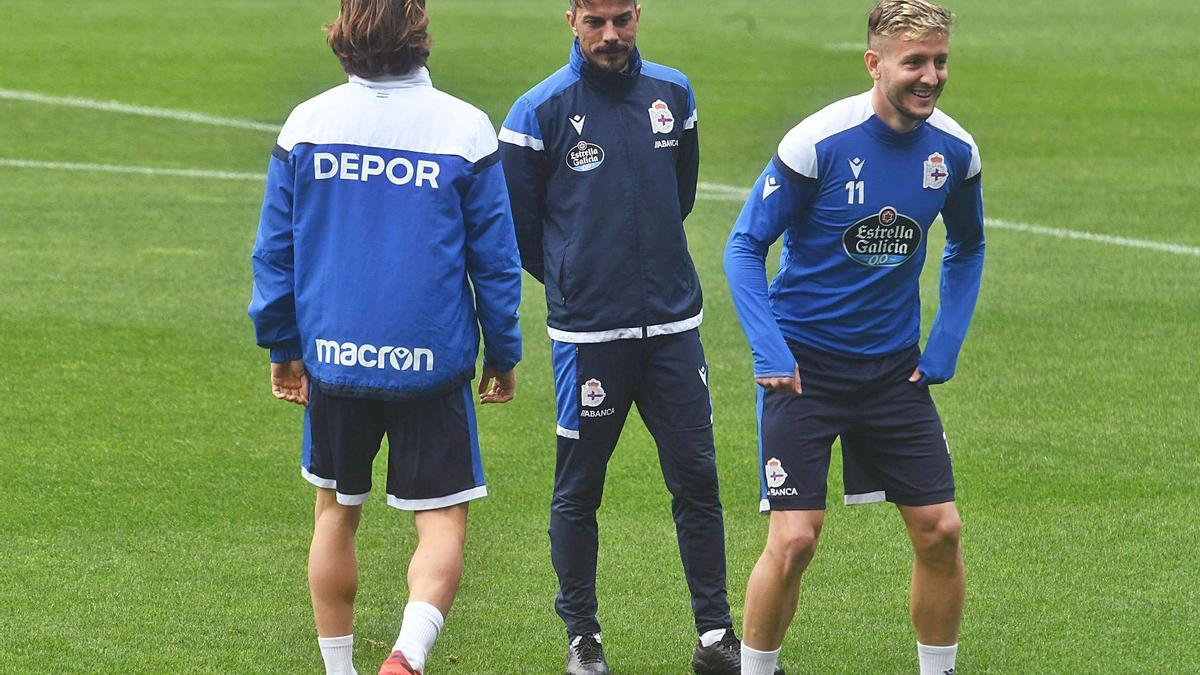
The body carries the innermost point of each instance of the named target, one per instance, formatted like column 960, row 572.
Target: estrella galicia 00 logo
column 584, row 156
column 886, row 239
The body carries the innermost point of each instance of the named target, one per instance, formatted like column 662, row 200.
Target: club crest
column 661, row 119
column 591, row 394
column 775, row 473
column 936, row 172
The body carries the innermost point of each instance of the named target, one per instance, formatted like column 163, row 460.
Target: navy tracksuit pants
column 596, row 383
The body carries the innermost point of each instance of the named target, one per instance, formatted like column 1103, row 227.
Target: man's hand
column 927, row 374
column 289, row 382
column 783, row 385
column 497, row 387
column 923, row 378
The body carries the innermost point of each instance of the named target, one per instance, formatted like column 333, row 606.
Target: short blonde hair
column 908, row 20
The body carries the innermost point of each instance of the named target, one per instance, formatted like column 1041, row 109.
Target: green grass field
column 152, row 516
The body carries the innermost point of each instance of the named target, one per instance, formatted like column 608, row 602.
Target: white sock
column 422, row 623
column 338, row 653
column 712, row 637
column 937, row 660
column 755, row 662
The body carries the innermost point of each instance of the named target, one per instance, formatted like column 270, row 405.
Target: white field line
column 847, row 47
column 728, row 193
column 706, row 191
column 143, row 170
column 144, row 111
column 1163, row 246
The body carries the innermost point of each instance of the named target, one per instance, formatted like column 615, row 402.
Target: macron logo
column 351, row 355
column 577, row 122
column 856, row 166
column 352, row 166
column 771, row 187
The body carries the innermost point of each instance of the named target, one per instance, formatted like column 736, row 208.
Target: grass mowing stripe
column 144, row 111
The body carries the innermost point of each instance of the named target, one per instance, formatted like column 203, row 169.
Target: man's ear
column 871, row 59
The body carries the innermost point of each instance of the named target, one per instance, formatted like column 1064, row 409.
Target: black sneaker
column 723, row 657
column 585, row 656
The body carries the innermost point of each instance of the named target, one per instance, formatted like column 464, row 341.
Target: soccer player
column 386, row 243
column 854, row 190
column 601, row 160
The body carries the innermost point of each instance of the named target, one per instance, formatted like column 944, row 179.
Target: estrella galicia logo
column 584, row 156
column 886, row 239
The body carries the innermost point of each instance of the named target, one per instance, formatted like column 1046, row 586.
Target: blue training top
column 386, row 242
column 854, row 201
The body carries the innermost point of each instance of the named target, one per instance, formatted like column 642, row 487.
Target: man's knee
column 446, row 526
column 698, row 485
column 794, row 543
column 576, row 501
column 331, row 514
column 937, row 538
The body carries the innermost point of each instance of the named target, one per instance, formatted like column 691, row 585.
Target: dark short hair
column 573, row 5
column 375, row 38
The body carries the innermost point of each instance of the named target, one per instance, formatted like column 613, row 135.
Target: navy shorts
column 893, row 445
column 433, row 448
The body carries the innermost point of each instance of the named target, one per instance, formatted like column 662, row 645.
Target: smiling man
column 601, row 160
column 853, row 190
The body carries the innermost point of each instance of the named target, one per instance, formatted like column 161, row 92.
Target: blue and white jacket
column 386, row 242
column 602, row 171
column 854, row 201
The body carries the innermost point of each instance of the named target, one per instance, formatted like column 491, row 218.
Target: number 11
column 851, row 187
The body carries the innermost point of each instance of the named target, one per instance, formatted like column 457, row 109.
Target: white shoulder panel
column 941, row 120
column 798, row 149
column 416, row 118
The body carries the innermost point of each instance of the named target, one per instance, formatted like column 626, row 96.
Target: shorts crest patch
column 591, row 394
column 775, row 473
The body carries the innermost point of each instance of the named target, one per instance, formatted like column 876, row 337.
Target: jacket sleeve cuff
column 286, row 351
column 499, row 366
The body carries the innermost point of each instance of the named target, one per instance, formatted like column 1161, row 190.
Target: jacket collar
column 603, row 78
column 417, row 78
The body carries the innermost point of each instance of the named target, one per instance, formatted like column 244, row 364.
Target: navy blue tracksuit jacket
column 601, row 171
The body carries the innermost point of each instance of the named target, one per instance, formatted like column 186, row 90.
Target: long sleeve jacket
column 601, row 170
column 386, row 242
